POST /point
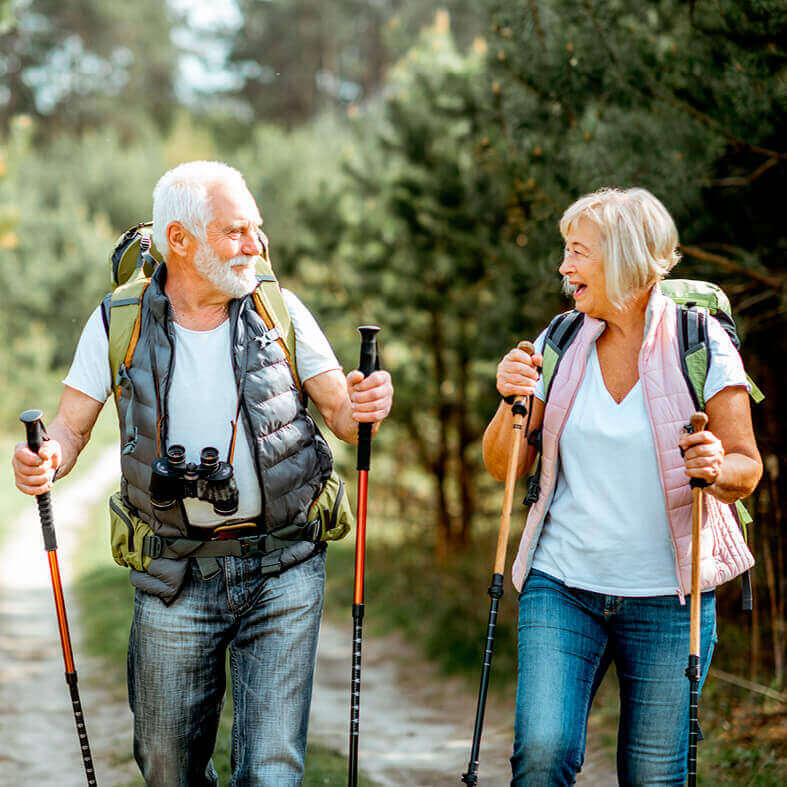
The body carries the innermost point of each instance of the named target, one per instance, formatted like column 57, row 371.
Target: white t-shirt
column 203, row 396
column 606, row 530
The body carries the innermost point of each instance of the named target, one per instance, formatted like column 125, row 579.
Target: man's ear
column 181, row 242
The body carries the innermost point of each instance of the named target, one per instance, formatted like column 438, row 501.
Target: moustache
column 242, row 260
column 568, row 288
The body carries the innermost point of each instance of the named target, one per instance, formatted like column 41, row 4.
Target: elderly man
column 205, row 374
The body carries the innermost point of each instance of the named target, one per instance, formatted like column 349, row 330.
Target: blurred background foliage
column 411, row 162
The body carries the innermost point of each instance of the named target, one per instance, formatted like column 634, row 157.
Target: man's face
column 228, row 257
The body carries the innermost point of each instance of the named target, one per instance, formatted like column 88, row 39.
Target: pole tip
column 31, row 416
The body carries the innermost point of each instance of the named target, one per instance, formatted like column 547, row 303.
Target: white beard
column 221, row 274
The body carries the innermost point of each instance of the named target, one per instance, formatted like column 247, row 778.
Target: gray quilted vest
column 291, row 457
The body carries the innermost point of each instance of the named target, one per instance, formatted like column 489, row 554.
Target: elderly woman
column 603, row 566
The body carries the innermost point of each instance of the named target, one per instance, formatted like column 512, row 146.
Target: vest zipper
column 239, row 373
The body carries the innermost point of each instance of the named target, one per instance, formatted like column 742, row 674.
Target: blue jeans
column 567, row 640
column 176, row 673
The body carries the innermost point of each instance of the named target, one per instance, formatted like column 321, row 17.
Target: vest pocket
column 333, row 509
column 127, row 535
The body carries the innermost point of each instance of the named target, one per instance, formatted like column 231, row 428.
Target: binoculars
column 173, row 479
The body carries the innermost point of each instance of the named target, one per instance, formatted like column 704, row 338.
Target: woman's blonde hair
column 639, row 238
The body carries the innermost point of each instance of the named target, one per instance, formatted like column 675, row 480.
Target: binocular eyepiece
column 172, row 479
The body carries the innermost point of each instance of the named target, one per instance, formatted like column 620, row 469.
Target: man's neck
column 196, row 303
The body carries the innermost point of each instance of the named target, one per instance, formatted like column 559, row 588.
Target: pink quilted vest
column 723, row 551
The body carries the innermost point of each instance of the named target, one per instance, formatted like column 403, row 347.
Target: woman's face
column 583, row 269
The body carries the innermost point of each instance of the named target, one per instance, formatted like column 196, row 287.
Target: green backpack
column 695, row 300
column 133, row 260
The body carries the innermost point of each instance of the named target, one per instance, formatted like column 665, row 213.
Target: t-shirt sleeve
column 539, row 345
column 89, row 372
column 726, row 367
column 313, row 352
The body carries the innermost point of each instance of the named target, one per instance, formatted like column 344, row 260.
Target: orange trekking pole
column 369, row 363
column 495, row 591
column 35, row 438
column 698, row 422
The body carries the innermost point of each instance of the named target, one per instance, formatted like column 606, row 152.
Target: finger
column 379, row 394
column 520, row 356
column 372, row 380
column 372, row 406
column 35, row 486
column 25, row 456
column 370, row 417
column 508, row 389
column 704, row 449
column 516, row 367
column 50, row 450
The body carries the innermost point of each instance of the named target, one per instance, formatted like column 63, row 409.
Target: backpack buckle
column 152, row 546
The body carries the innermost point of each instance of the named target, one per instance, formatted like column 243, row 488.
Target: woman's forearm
column 738, row 477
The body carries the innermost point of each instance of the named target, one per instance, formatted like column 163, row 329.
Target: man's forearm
column 344, row 426
column 71, row 444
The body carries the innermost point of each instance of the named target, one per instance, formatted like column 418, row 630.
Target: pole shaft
column 696, row 527
column 60, row 609
column 495, row 593
column 358, row 610
column 508, row 494
column 698, row 423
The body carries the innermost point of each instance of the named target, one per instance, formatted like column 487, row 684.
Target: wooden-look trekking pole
column 519, row 411
column 698, row 422
column 35, row 439
column 369, row 363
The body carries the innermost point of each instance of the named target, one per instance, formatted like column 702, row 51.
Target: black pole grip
column 368, row 364
column 34, row 426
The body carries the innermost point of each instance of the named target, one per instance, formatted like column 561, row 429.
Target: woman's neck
column 628, row 322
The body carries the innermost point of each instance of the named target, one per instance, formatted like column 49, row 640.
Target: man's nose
column 565, row 267
column 253, row 245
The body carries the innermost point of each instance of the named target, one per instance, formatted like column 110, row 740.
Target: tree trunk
column 465, row 470
column 440, row 465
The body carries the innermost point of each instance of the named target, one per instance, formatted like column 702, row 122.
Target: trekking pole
column 698, row 422
column 369, row 363
column 35, row 438
column 495, row 591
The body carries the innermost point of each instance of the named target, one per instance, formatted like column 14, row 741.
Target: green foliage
column 293, row 59
column 432, row 222
column 74, row 64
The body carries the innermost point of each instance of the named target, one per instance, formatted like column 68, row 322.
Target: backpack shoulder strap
column 270, row 305
column 124, row 313
column 561, row 332
column 694, row 351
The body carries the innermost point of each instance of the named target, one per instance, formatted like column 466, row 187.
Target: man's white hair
column 639, row 240
column 182, row 195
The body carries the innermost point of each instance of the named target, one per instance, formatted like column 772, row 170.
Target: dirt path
column 416, row 725
column 38, row 740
